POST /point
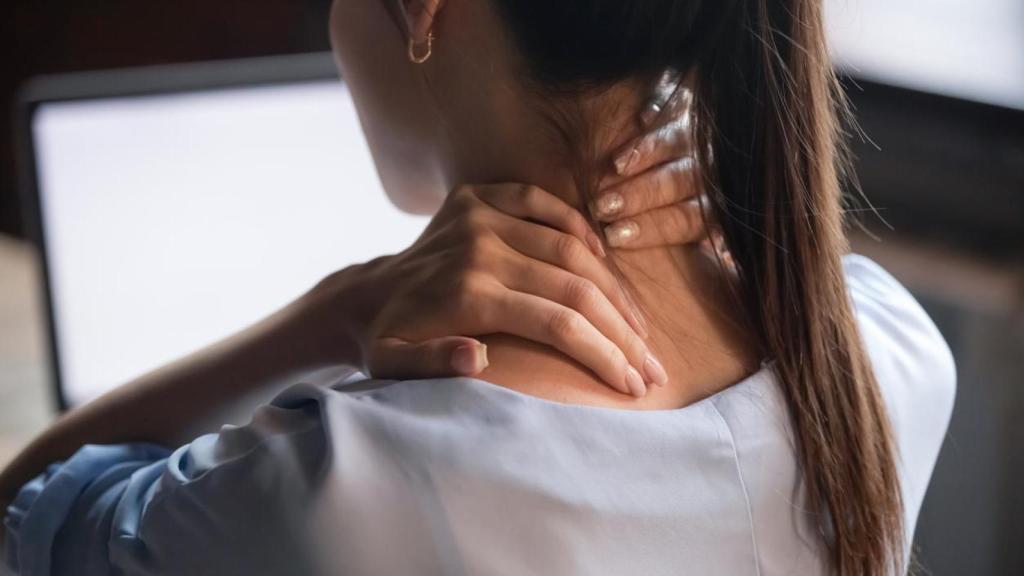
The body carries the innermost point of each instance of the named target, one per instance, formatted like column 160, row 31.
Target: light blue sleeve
column 227, row 503
column 81, row 494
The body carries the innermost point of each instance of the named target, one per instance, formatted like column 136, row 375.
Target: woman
column 799, row 397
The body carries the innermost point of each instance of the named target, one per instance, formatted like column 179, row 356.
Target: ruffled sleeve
column 227, row 503
column 75, row 495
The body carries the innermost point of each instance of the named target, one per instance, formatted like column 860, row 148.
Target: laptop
column 176, row 205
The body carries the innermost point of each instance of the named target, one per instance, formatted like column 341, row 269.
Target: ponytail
column 769, row 110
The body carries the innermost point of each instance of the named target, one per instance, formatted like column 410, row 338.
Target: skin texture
column 466, row 117
column 456, row 119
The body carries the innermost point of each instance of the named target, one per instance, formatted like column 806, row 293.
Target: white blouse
column 459, row 476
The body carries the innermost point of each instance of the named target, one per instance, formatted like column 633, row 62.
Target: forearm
column 162, row 405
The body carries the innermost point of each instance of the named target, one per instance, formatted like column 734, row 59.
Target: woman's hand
column 653, row 198
column 516, row 259
column 504, row 258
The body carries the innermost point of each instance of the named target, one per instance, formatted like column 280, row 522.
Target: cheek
column 390, row 98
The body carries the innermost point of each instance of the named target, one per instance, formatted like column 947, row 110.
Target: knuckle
column 677, row 133
column 615, row 363
column 565, row 325
column 686, row 214
column 474, row 225
column 468, row 289
column 652, row 192
column 530, row 195
column 479, row 252
column 653, row 142
column 684, row 173
column 580, row 293
column 484, row 191
column 686, row 220
column 464, row 200
column 633, row 347
column 464, row 192
column 619, row 360
column 574, row 219
column 569, row 249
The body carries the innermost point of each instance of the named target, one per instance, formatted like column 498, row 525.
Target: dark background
column 946, row 175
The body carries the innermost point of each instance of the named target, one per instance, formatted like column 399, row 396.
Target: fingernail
column 625, row 161
column 650, row 113
column 622, row 233
column 470, row 359
column 609, row 205
column 595, row 244
column 654, row 372
column 635, row 383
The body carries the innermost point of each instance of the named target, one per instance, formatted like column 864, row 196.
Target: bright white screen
column 172, row 221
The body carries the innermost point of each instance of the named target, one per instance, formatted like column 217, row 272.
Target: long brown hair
column 768, row 109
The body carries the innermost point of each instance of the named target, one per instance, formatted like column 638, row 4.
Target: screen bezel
column 145, row 81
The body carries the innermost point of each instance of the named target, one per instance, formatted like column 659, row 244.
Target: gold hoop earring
column 421, row 58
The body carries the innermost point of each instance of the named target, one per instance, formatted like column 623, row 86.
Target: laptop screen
column 171, row 221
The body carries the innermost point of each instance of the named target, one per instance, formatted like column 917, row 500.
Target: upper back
column 475, row 478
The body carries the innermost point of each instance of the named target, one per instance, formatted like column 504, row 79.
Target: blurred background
column 937, row 87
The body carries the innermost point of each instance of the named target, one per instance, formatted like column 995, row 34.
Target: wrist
column 336, row 314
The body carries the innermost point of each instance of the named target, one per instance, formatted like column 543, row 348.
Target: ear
column 420, row 16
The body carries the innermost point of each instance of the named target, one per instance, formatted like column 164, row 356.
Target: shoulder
column 910, row 356
column 914, row 368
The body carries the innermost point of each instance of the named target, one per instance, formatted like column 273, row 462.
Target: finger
column 583, row 296
column 670, row 99
column 667, row 114
column 715, row 246
column 668, row 142
column 681, row 223
column 658, row 187
column 568, row 253
column 537, row 204
column 566, row 330
column 395, row 358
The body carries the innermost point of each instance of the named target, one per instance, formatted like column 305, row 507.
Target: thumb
column 450, row 356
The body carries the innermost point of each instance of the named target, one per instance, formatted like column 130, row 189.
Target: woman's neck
column 681, row 292
column 694, row 332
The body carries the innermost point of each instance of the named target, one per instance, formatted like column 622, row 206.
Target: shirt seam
column 743, row 486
